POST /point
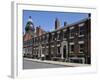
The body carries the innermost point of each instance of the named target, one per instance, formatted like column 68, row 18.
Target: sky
column 46, row 19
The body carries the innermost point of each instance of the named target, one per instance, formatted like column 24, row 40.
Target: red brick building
column 71, row 43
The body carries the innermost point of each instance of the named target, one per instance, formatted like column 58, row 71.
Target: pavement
column 29, row 64
column 67, row 64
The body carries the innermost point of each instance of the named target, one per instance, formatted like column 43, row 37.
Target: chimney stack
column 65, row 24
column 89, row 15
column 57, row 23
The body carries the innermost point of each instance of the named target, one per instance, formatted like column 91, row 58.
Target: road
column 28, row 64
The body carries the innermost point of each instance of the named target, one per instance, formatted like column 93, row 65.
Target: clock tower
column 30, row 27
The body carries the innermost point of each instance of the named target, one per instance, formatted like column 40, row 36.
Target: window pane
column 81, row 47
column 71, row 48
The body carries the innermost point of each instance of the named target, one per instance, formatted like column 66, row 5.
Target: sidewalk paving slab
column 58, row 62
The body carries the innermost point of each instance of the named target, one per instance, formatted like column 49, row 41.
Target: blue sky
column 46, row 19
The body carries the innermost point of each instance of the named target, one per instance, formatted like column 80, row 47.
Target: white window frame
column 80, row 42
column 58, row 35
column 71, row 28
column 64, row 34
column 81, row 25
column 53, row 36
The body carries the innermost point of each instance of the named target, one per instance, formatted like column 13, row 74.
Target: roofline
column 75, row 23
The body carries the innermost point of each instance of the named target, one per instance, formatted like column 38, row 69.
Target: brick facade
column 70, row 43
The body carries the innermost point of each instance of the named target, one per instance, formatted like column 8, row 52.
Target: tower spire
column 29, row 25
column 30, row 19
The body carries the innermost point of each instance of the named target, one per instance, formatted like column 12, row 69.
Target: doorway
column 64, row 52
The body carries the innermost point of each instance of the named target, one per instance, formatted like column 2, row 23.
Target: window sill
column 80, row 52
column 81, row 36
column 71, row 37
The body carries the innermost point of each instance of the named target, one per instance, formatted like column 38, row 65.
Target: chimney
column 37, row 31
column 65, row 24
column 89, row 15
column 57, row 23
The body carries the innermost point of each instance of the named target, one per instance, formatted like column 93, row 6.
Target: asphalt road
column 28, row 64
